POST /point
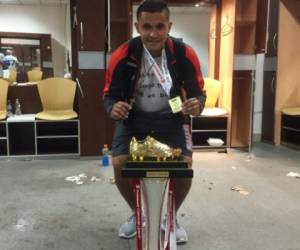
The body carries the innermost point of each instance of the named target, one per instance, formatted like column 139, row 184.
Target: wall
column 47, row 19
column 195, row 35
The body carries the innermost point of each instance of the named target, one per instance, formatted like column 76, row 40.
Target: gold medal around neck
column 175, row 104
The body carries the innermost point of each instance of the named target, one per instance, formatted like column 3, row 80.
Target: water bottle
column 9, row 109
column 105, row 156
column 18, row 107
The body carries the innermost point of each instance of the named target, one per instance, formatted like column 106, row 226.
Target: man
column 10, row 60
column 1, row 64
column 142, row 76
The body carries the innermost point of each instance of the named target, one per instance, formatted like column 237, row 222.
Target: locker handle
column 81, row 34
column 272, row 85
column 274, row 41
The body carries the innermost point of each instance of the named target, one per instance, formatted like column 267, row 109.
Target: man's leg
column 182, row 186
column 124, row 184
column 127, row 229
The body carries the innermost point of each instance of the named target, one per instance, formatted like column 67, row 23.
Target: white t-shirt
column 150, row 96
column 11, row 62
column 1, row 62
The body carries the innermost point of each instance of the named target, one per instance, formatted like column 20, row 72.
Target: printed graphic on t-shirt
column 150, row 96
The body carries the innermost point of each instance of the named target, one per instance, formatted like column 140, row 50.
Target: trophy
column 154, row 163
column 151, row 148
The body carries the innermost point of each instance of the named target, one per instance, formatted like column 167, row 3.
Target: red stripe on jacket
column 117, row 56
column 192, row 56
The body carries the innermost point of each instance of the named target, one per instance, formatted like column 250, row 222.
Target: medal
column 175, row 104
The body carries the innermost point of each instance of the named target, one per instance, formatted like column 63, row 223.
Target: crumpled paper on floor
column 293, row 174
column 82, row 178
column 240, row 190
column 78, row 179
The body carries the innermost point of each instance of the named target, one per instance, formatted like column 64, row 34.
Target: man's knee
column 189, row 160
column 119, row 162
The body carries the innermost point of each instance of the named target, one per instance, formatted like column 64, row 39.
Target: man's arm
column 193, row 84
column 115, row 86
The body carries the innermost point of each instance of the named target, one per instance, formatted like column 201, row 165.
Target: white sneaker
column 181, row 235
column 128, row 230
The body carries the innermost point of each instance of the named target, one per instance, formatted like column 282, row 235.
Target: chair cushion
column 57, row 115
column 2, row 115
column 213, row 112
column 291, row 111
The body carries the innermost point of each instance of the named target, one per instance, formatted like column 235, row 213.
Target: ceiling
column 34, row 2
column 184, row 2
column 205, row 9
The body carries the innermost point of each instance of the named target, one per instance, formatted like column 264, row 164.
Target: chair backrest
column 3, row 94
column 57, row 94
column 12, row 76
column 213, row 91
column 34, row 75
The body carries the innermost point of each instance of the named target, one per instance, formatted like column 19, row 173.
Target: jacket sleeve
column 193, row 80
column 115, row 80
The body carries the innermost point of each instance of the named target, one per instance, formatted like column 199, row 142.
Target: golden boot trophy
column 151, row 148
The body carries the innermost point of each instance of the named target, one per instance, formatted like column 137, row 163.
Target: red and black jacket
column 124, row 68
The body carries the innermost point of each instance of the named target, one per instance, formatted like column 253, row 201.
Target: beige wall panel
column 288, row 78
column 212, row 43
column 226, row 56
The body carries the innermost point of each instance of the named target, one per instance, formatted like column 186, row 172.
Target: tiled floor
column 40, row 210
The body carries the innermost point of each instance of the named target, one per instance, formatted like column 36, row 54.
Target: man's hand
column 191, row 106
column 120, row 111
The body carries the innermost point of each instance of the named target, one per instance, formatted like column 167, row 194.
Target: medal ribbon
column 162, row 75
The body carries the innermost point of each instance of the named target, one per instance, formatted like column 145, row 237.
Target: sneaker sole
column 124, row 236
column 181, row 241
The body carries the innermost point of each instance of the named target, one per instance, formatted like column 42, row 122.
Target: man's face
column 154, row 29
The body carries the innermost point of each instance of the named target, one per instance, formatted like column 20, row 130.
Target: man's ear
column 137, row 27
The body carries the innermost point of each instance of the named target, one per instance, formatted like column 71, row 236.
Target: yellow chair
column 34, row 75
column 12, row 78
column 3, row 98
column 57, row 97
column 213, row 91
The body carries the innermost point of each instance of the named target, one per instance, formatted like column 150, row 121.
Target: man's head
column 153, row 24
column 8, row 52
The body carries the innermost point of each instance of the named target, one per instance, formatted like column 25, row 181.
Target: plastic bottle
column 105, row 156
column 9, row 109
column 18, row 107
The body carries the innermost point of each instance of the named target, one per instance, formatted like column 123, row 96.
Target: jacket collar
column 135, row 50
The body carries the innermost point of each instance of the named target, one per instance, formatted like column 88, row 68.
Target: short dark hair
column 153, row 6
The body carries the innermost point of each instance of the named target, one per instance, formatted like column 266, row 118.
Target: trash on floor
column 94, row 179
column 240, row 190
column 72, row 178
column 112, row 180
column 293, row 174
column 79, row 179
column 250, row 157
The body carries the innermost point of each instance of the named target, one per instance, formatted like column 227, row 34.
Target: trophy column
column 151, row 180
column 153, row 193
